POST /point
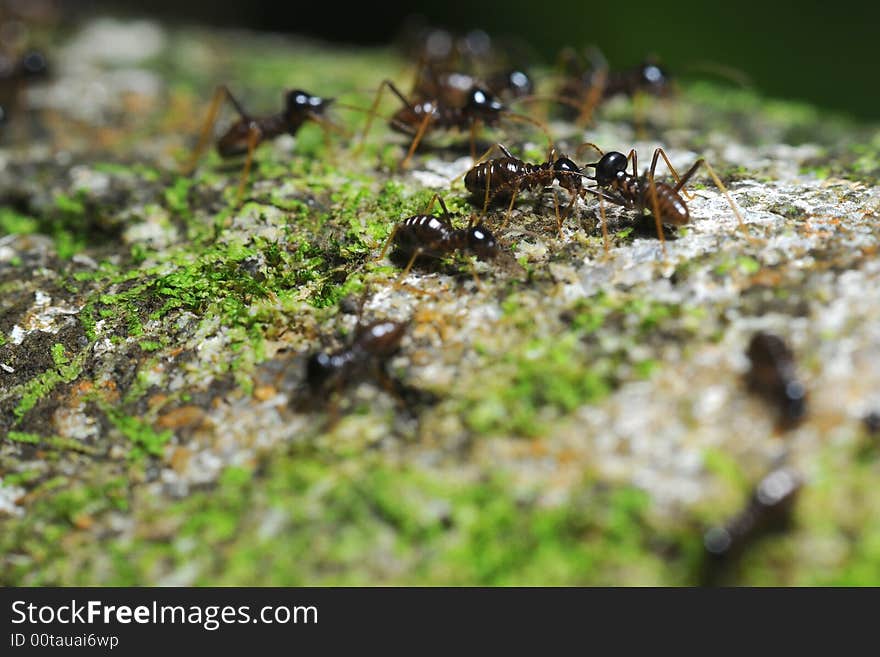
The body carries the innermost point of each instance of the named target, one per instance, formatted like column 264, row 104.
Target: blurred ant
column 418, row 116
column 773, row 376
column 642, row 193
column 503, row 178
column 448, row 54
column 585, row 86
column 427, row 235
column 373, row 345
column 15, row 73
column 768, row 510
column 249, row 131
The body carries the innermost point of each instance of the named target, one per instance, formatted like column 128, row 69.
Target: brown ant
column 503, row 178
column 773, row 376
column 427, row 235
column 15, row 73
column 642, row 193
column 432, row 112
column 248, row 131
column 769, row 509
column 368, row 353
column 585, row 86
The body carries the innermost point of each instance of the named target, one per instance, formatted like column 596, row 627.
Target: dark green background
column 824, row 52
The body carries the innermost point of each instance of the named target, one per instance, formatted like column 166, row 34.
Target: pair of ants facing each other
column 500, row 180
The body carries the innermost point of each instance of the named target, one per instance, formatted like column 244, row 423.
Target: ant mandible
column 248, row 131
column 431, row 236
column 633, row 192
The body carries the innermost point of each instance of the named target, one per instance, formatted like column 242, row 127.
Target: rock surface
column 577, row 417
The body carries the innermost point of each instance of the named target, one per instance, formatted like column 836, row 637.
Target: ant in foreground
column 248, row 131
column 773, row 376
column 584, row 87
column 368, row 353
column 503, row 178
column 15, row 73
column 423, row 114
column 768, row 510
column 427, row 235
column 633, row 192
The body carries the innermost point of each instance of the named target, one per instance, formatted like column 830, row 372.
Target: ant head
column 300, row 102
column 609, row 167
column 481, row 101
column 654, row 78
column 33, row 64
column 319, row 369
column 481, row 242
column 563, row 165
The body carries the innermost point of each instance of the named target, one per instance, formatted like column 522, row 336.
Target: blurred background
column 822, row 52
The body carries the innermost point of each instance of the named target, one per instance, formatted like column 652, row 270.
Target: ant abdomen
column 425, row 232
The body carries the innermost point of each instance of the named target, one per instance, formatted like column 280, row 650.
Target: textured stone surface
column 580, row 417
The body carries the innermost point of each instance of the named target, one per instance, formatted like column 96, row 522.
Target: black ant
column 434, row 237
column 773, row 376
column 503, row 178
column 446, row 55
column 452, row 87
column 422, row 114
column 15, row 73
column 368, row 353
column 768, row 510
column 633, row 192
column 248, row 131
column 584, row 87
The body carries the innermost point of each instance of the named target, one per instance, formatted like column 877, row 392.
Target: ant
column 452, row 87
column 769, row 509
column 373, row 345
column 249, row 131
column 434, row 237
column 505, row 177
column 434, row 112
column 585, row 87
column 773, row 376
column 633, row 192
column 15, row 73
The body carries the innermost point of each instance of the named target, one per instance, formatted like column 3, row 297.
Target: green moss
column 145, row 440
column 33, row 391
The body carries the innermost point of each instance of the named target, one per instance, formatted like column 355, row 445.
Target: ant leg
column 655, row 209
column 416, row 253
column 720, row 185
column 252, row 141
column 558, row 218
column 580, row 149
column 474, row 127
column 220, row 94
column 592, row 98
column 679, row 183
column 476, row 277
column 527, row 119
column 371, row 113
column 510, row 207
column 635, row 162
column 416, row 140
column 388, row 242
column 434, row 199
column 604, row 224
column 570, row 206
